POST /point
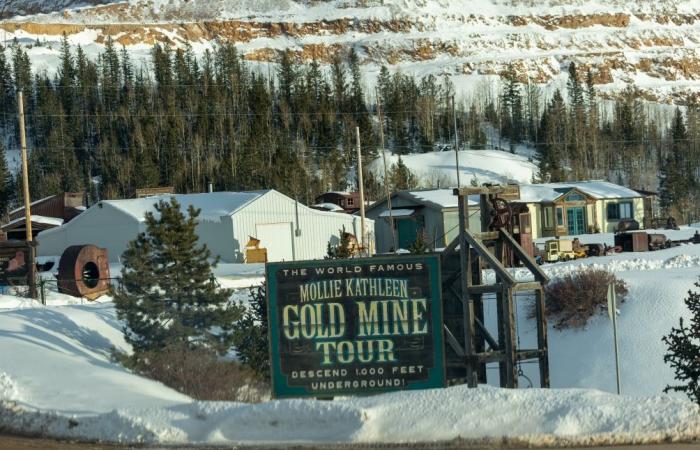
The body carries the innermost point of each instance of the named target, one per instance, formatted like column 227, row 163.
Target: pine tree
column 684, row 350
column 5, row 183
column 553, row 133
column 675, row 179
column 168, row 295
column 251, row 337
column 401, row 177
column 512, row 118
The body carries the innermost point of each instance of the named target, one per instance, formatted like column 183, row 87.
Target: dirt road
column 23, row 443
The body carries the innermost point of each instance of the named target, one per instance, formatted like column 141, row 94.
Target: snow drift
column 57, row 379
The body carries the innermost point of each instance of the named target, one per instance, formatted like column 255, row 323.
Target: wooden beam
column 487, row 235
column 485, row 288
column 524, row 257
column 508, row 192
column 500, row 356
column 527, row 286
column 485, row 333
column 490, row 258
column 452, row 247
column 542, row 345
column 454, row 343
column 467, row 306
column 510, row 341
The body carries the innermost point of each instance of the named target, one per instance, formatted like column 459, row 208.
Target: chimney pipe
column 210, row 187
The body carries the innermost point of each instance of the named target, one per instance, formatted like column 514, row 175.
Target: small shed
column 287, row 229
column 433, row 212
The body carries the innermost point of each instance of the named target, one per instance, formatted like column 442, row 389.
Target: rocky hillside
column 653, row 44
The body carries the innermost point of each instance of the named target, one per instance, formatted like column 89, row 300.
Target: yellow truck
column 562, row 250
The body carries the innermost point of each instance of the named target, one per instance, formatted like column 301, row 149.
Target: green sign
column 355, row 326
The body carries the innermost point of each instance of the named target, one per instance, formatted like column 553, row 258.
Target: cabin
column 287, row 229
column 347, row 201
column 433, row 212
column 48, row 212
column 581, row 207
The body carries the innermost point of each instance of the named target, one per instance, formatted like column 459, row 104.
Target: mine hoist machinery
column 503, row 240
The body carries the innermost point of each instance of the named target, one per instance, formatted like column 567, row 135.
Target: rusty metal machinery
column 83, row 271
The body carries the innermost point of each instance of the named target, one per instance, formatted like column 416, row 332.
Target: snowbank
column 57, row 379
column 536, row 416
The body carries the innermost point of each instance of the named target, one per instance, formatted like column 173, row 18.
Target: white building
column 288, row 229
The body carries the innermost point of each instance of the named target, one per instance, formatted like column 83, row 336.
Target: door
column 576, row 220
column 408, row 232
column 277, row 239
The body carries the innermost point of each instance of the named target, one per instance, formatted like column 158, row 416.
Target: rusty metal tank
column 83, row 271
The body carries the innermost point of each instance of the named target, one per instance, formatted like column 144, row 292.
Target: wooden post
column 511, row 339
column 467, row 305
column 454, row 118
column 31, row 270
column 542, row 338
column 362, row 190
column 500, row 318
column 478, row 302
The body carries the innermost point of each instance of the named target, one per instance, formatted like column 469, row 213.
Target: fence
column 45, row 284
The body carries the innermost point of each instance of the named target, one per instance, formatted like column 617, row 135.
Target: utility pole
column 454, row 118
column 387, row 189
column 31, row 270
column 612, row 312
column 360, row 182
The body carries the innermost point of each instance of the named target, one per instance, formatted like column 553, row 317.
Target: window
column 626, row 210
column 617, row 211
column 575, row 197
column 548, row 222
column 351, row 201
column 560, row 216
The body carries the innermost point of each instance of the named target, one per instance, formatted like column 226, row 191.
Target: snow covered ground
column 484, row 166
column 56, row 378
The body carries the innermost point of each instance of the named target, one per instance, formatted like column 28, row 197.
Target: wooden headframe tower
column 464, row 292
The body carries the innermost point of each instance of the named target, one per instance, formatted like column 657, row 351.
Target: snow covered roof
column 598, row 189
column 34, row 203
column 328, row 206
column 434, row 198
column 213, row 205
column 54, row 221
column 442, row 198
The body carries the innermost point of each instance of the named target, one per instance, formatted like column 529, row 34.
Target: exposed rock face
column 654, row 44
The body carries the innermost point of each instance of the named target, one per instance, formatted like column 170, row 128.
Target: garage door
column 277, row 239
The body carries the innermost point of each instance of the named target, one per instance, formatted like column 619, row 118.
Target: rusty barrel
column 83, row 271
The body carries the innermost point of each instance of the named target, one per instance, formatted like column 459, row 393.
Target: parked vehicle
column 561, row 250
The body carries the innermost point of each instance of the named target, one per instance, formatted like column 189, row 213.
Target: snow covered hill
column 56, row 378
column 435, row 169
column 653, row 44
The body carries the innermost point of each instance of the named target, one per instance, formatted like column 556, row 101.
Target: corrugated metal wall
column 310, row 233
column 105, row 227
column 112, row 229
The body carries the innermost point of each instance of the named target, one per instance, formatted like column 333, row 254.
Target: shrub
column 198, row 373
column 573, row 299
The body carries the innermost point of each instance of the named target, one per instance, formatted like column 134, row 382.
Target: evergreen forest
column 108, row 126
